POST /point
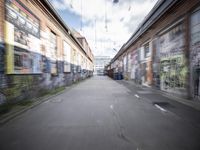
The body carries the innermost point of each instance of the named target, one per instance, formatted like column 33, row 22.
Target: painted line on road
column 137, row 96
column 159, row 107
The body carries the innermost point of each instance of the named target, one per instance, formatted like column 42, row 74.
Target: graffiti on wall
column 195, row 68
column 29, row 56
column 1, row 59
column 22, row 36
column 173, row 72
column 135, row 65
column 173, row 69
column 129, row 62
column 156, row 62
column 195, row 53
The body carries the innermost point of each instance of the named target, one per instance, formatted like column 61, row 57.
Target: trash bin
column 115, row 76
column 120, row 76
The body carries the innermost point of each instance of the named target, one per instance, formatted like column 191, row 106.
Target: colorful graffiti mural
column 195, row 68
column 22, row 39
column 173, row 72
column 31, row 58
column 173, row 69
column 156, row 62
column 1, row 59
column 195, row 54
column 135, row 65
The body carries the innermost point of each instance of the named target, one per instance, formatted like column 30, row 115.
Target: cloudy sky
column 106, row 24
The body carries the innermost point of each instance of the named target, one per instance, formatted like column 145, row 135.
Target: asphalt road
column 102, row 114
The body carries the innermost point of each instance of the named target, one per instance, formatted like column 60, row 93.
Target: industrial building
column 164, row 51
column 38, row 51
column 100, row 63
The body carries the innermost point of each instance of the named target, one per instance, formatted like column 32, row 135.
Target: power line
column 95, row 33
column 81, row 16
column 106, row 27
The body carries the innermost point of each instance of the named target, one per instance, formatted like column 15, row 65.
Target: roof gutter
column 51, row 9
column 155, row 14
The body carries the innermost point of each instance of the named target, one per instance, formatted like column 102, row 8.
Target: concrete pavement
column 192, row 103
column 100, row 114
column 189, row 111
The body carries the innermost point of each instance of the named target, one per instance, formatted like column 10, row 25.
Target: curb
column 193, row 104
column 37, row 101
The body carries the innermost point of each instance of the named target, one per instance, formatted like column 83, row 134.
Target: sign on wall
column 22, row 37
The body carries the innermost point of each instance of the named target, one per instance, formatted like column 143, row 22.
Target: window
column 67, row 52
column 66, row 56
column 53, row 52
column 146, row 50
column 125, row 63
column 53, row 43
column 18, row 61
column 195, row 27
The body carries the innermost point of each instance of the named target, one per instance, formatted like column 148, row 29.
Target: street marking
column 111, row 106
column 137, row 96
column 162, row 109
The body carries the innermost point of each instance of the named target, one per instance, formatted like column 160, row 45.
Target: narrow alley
column 99, row 74
column 103, row 114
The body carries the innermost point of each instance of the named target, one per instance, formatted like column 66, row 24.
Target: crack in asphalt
column 121, row 134
column 122, row 131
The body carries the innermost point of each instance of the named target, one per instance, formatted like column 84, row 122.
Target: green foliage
column 25, row 103
column 5, row 108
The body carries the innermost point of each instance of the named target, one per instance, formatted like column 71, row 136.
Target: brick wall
column 182, row 9
column 17, row 87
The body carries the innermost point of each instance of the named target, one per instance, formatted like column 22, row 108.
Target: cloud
column 122, row 19
column 58, row 5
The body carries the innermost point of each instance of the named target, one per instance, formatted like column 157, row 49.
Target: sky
column 106, row 24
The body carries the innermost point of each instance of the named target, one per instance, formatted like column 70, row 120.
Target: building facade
column 38, row 52
column 164, row 52
column 100, row 63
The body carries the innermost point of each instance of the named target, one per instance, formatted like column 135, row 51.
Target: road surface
column 102, row 114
